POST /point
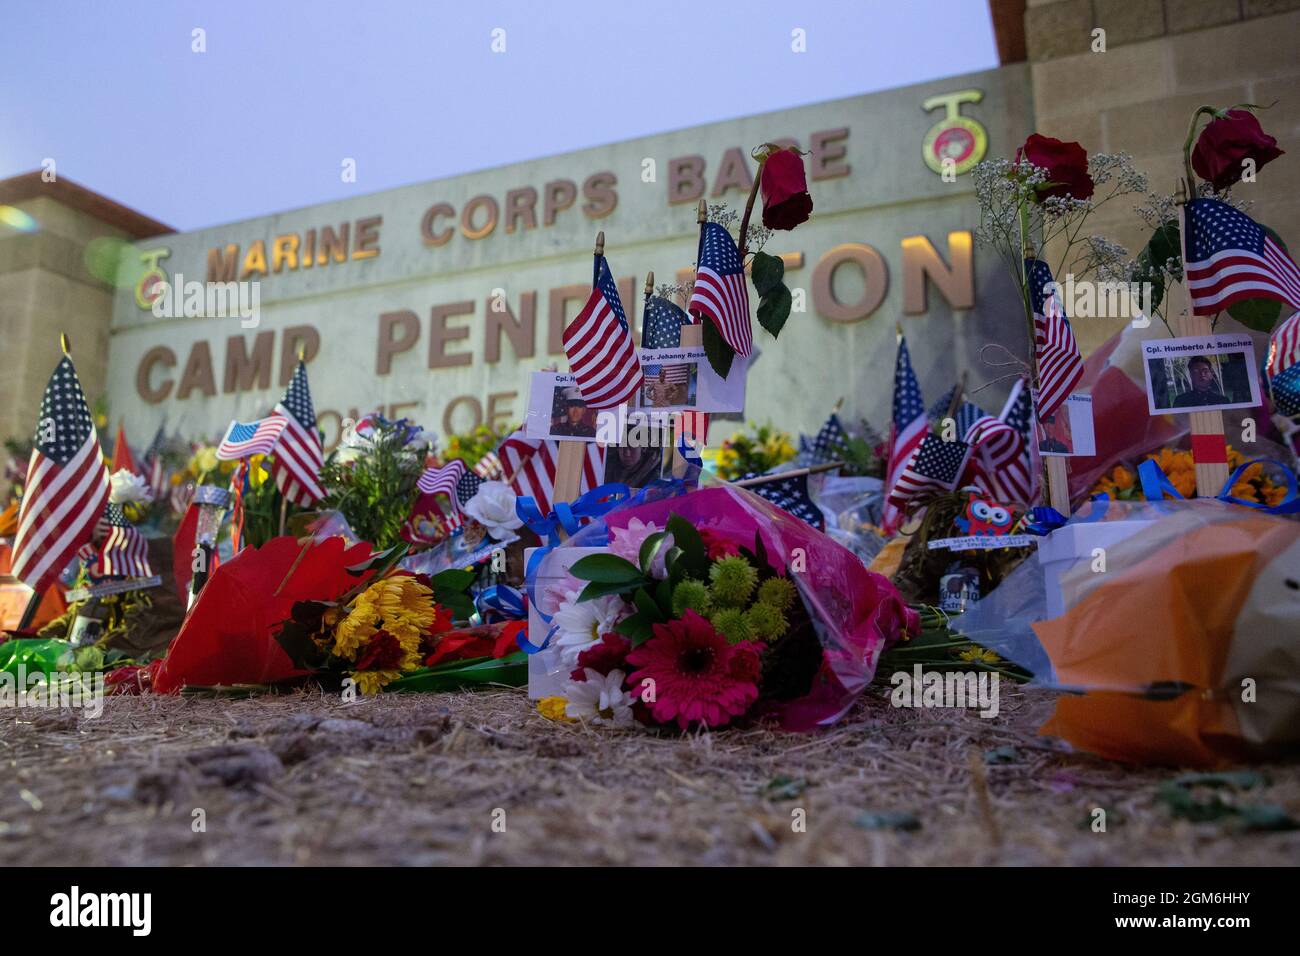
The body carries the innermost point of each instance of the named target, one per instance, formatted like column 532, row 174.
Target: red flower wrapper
column 1226, row 143
column 227, row 637
column 855, row 614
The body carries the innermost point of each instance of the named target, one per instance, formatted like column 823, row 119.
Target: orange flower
column 1185, row 482
column 1123, row 479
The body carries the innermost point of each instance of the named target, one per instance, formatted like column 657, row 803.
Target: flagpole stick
column 666, row 451
column 957, row 394
column 1209, row 447
column 782, row 475
column 284, row 508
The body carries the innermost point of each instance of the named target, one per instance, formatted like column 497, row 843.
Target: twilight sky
column 412, row 90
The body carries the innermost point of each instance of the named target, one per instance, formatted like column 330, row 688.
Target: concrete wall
column 1163, row 59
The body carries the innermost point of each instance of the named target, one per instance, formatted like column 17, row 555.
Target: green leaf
column 605, row 569
column 635, row 628
column 649, row 547
column 453, row 579
column 718, row 352
column 1258, row 314
column 774, row 309
column 511, row 670
column 767, row 272
column 694, row 559
column 1150, row 265
column 596, row 590
column 664, row 595
column 647, row 606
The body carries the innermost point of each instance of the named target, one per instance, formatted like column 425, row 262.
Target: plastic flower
column 690, row 594
column 733, row 580
column 493, row 506
column 581, row 623
column 127, row 487
column 552, row 708
column 777, row 592
column 689, row 667
column 600, row 699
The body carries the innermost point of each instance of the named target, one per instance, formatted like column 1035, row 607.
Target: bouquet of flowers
column 712, row 608
column 757, row 450
column 372, row 478
column 1254, row 484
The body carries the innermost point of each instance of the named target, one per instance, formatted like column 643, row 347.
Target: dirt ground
column 302, row 778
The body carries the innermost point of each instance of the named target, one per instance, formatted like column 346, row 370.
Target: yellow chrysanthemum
column 552, row 708
column 372, row 682
column 979, row 655
column 399, row 605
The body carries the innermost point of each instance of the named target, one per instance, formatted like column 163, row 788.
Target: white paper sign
column 1069, row 431
column 1200, row 373
column 681, row 378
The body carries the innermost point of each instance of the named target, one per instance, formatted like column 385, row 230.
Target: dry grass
column 306, row 779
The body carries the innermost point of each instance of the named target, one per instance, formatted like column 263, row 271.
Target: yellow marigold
column 1244, row 490
column 372, row 682
column 1185, row 482
column 552, row 708
column 1123, row 479
column 1273, row 495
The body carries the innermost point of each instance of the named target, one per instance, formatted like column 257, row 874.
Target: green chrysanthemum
column 777, row 592
column 765, row 622
column 733, row 581
column 730, row 623
column 691, row 595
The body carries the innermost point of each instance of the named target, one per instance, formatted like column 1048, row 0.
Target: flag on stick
column 1060, row 366
column 720, row 292
column 244, row 439
column 125, row 552
column 1230, row 258
column 299, row 456
column 906, row 432
column 600, row 348
column 67, row 484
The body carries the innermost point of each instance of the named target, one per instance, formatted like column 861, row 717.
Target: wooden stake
column 1058, row 480
column 1209, row 447
column 782, row 475
column 692, row 338
column 284, row 508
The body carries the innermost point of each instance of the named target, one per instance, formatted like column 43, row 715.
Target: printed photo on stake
column 556, row 409
column 1200, row 373
column 681, row 379
column 635, row 463
column 1068, row 431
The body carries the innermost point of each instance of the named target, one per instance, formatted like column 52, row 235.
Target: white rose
column 493, row 506
column 126, row 487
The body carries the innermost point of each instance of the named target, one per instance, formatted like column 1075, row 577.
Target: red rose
column 786, row 202
column 609, row 654
column 381, row 653
column 1229, row 141
column 1066, row 165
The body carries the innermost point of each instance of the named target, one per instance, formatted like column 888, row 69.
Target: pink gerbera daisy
column 691, row 666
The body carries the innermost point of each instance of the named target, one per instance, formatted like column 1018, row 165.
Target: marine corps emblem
column 956, row 138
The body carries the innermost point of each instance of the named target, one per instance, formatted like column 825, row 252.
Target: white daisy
column 581, row 623
column 600, row 700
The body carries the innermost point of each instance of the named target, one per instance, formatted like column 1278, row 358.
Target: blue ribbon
column 500, row 602
column 568, row 516
column 1156, row 484
column 1043, row 520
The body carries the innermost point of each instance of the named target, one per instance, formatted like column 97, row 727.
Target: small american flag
column 442, row 479
column 1230, row 258
column 662, row 327
column 1059, row 364
column 529, row 467
column 906, row 432
column 935, row 467
column 791, row 496
column 1018, row 410
column 1284, row 346
column 668, row 374
column 153, row 460
column 999, row 460
column 966, row 415
column 600, row 349
column 467, row 487
column 830, row 443
column 124, row 553
column 244, row 439
column 720, row 291
column 299, row 457
column 488, row 467
column 67, row 484
column 1285, row 389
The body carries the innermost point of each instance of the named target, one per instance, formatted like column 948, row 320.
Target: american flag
column 600, row 349
column 1059, row 364
column 791, row 496
column 830, row 443
column 244, row 439
column 153, row 459
column 906, row 432
column 1018, row 410
column 1284, row 346
column 720, row 292
column 529, row 467
column 442, row 479
column 299, row 456
column 66, row 487
column 467, row 487
column 488, row 467
column 668, row 374
column 936, row 466
column 1230, row 258
column 662, row 327
column 124, row 553
column 999, row 460
column 966, row 415
column 1285, row 389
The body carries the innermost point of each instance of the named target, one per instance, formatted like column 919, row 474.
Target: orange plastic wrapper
column 1188, row 645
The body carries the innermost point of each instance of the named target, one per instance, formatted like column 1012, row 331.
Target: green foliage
column 470, row 447
column 774, row 298
column 757, row 449
column 374, row 486
column 716, row 349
